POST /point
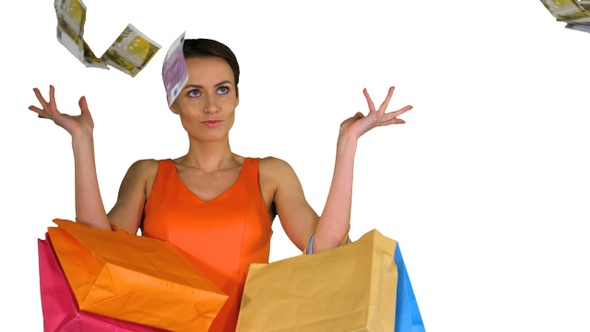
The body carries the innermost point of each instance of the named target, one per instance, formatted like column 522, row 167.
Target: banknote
column 131, row 51
column 578, row 26
column 570, row 11
column 174, row 71
column 71, row 17
column 91, row 60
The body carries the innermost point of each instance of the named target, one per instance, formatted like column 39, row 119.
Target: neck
column 209, row 156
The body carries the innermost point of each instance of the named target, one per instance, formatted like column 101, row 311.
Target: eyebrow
column 200, row 86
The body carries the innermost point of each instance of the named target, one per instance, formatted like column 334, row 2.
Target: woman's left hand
column 359, row 124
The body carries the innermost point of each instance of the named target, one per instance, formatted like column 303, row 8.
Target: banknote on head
column 569, row 11
column 71, row 17
column 131, row 51
column 174, row 71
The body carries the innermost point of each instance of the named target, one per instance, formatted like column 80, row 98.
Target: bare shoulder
column 277, row 179
column 144, row 167
column 142, row 173
column 133, row 192
column 274, row 167
column 277, row 173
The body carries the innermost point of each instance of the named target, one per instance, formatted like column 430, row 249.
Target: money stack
column 575, row 13
column 129, row 53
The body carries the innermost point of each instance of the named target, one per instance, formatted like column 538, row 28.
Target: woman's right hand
column 75, row 125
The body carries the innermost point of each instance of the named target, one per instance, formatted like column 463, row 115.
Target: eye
column 222, row 90
column 194, row 93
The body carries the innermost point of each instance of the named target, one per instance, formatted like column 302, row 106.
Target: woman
column 211, row 203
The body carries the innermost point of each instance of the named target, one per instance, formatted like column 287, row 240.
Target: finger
column 84, row 107
column 385, row 103
column 48, row 108
column 40, row 112
column 369, row 101
column 401, row 111
column 392, row 121
column 83, row 104
column 52, row 103
column 391, row 118
column 40, row 97
column 35, row 109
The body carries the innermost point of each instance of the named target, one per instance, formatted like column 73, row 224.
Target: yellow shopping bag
column 134, row 278
column 349, row 288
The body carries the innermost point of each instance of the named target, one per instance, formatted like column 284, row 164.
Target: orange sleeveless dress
column 222, row 237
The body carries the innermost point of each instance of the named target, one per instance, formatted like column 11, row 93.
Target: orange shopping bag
column 134, row 278
column 60, row 309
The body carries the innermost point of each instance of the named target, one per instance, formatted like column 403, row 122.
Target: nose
column 211, row 105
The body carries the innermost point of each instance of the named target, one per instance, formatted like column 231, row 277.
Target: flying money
column 174, row 71
column 570, row 11
column 71, row 16
column 585, row 27
column 131, row 51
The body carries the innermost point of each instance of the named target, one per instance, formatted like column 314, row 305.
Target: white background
column 486, row 187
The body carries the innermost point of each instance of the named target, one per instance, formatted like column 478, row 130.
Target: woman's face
column 207, row 102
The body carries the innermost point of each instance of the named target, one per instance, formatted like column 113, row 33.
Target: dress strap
column 250, row 171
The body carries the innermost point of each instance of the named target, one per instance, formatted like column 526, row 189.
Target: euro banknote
column 174, row 71
column 131, row 51
column 71, row 17
column 570, row 11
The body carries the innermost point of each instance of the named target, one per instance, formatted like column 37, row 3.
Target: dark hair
column 198, row 48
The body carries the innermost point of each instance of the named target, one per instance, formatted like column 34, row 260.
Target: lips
column 211, row 123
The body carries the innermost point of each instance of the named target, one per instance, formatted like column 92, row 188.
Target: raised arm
column 89, row 205
column 334, row 223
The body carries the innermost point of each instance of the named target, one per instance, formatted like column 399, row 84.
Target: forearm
column 89, row 206
column 334, row 223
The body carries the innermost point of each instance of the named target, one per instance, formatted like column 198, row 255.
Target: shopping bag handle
column 309, row 248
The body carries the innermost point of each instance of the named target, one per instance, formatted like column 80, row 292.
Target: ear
column 237, row 100
column 173, row 109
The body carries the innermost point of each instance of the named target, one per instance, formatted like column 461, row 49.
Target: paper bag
column 407, row 313
column 134, row 278
column 349, row 288
column 59, row 306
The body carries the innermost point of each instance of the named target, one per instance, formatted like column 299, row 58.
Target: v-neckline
column 175, row 170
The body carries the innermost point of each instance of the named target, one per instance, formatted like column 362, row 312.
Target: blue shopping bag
column 407, row 313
